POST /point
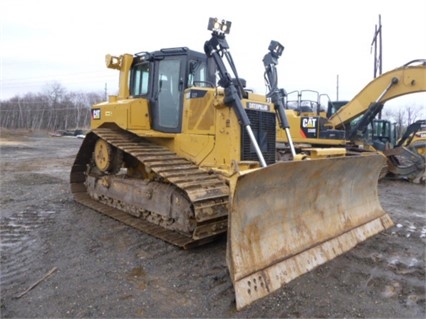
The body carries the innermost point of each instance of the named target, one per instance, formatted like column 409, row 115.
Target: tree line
column 54, row 109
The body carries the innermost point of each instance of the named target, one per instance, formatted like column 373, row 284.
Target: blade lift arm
column 277, row 96
column 217, row 47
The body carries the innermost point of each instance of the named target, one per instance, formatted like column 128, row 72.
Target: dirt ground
column 104, row 269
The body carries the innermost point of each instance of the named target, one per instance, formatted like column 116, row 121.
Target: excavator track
column 207, row 194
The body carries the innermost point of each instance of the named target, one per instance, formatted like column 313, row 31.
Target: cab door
column 167, row 103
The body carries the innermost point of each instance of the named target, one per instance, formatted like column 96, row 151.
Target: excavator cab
column 383, row 134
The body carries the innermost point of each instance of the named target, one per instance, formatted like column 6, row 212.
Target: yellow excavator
column 186, row 159
column 414, row 137
column 405, row 155
column 347, row 123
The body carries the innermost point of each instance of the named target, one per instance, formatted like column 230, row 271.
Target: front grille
column 263, row 127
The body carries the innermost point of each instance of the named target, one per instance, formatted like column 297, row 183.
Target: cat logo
column 309, row 122
column 309, row 126
column 96, row 114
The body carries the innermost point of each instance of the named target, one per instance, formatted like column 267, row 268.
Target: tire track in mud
column 19, row 239
column 106, row 269
column 22, row 225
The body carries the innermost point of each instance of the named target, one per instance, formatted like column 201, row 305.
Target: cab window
column 197, row 75
column 139, row 81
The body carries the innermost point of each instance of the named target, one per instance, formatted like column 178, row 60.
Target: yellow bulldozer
column 350, row 124
column 186, row 158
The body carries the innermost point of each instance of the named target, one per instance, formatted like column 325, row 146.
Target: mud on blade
column 290, row 217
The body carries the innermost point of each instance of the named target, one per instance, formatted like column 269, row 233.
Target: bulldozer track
column 207, row 192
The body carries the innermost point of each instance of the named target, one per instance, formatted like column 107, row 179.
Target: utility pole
column 337, row 88
column 106, row 92
column 378, row 57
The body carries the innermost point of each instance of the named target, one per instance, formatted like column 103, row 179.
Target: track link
column 207, row 192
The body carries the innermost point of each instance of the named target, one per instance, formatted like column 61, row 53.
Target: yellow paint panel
column 139, row 116
column 111, row 113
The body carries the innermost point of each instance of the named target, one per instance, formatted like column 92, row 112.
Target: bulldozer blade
column 290, row 217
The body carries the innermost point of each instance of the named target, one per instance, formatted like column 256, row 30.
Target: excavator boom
column 407, row 79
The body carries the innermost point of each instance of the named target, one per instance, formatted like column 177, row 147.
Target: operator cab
column 162, row 76
column 334, row 106
column 305, row 101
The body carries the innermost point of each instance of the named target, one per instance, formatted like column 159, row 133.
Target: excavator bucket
column 290, row 217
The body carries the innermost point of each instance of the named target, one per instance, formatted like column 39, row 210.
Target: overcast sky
column 66, row 41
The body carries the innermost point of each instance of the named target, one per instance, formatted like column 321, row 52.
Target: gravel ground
column 103, row 269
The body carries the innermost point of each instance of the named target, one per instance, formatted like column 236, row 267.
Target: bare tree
column 404, row 116
column 414, row 113
column 52, row 109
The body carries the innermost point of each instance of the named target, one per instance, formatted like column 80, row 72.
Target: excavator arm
column 410, row 78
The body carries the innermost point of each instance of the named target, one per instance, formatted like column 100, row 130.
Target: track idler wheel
column 108, row 159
